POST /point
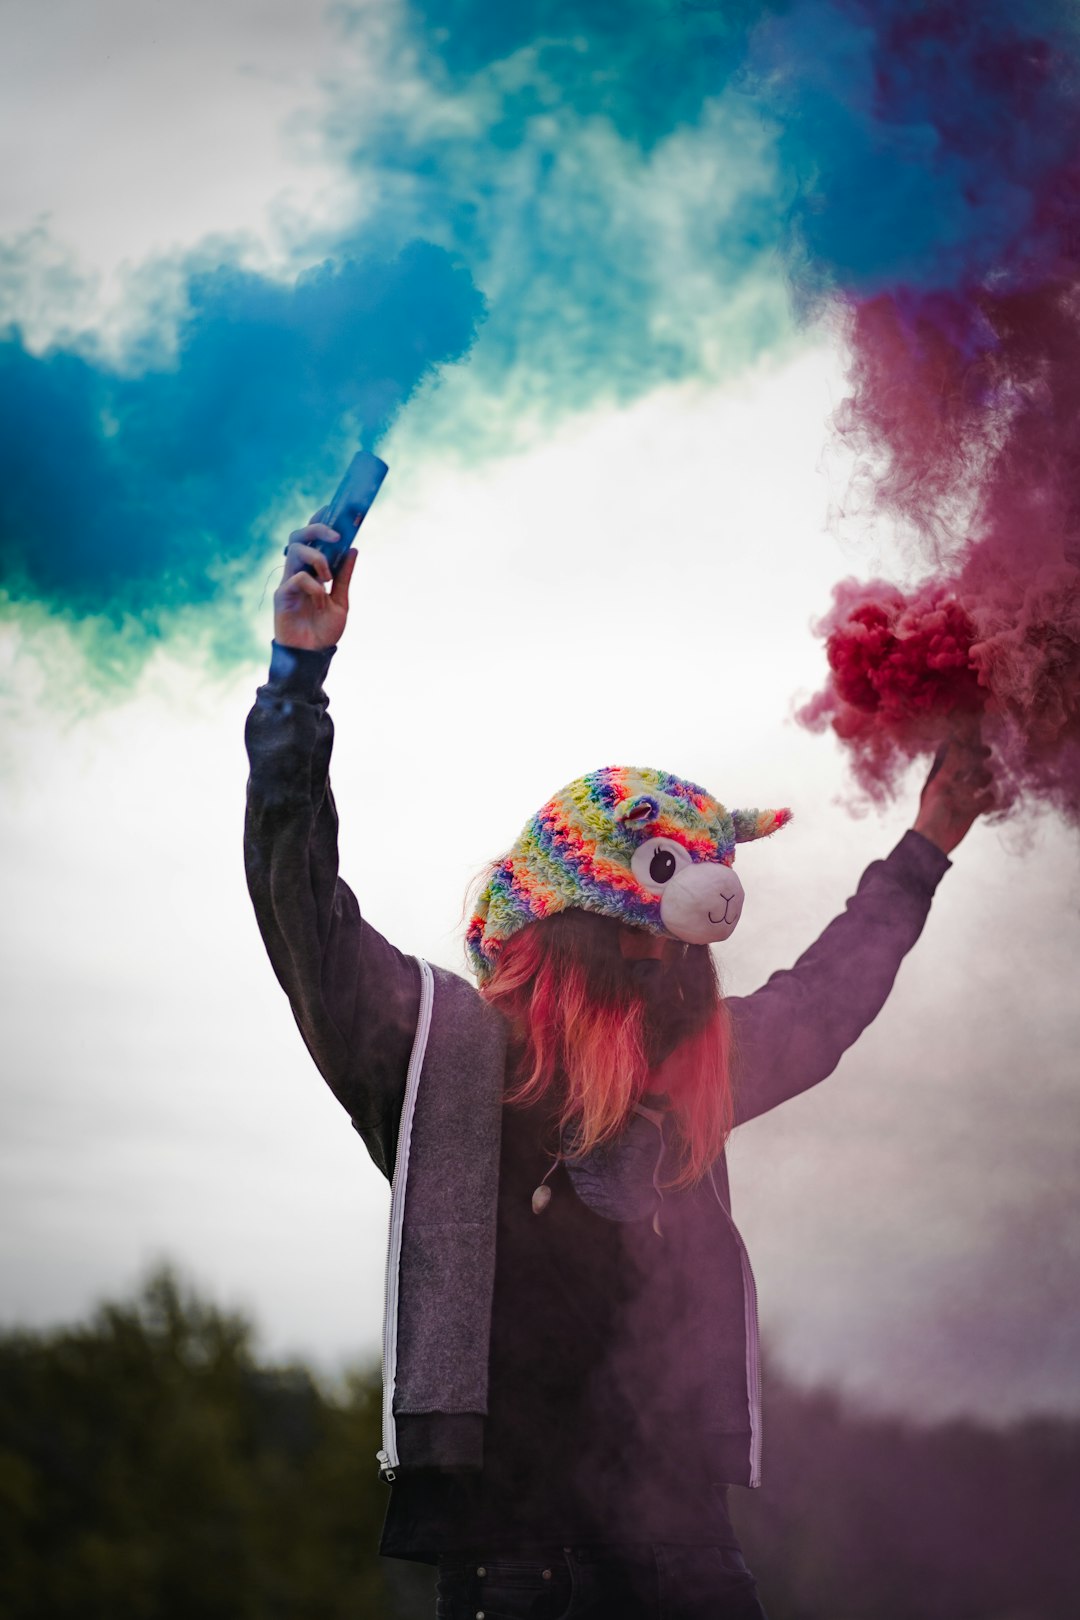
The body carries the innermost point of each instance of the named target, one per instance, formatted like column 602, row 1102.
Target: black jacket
column 418, row 1060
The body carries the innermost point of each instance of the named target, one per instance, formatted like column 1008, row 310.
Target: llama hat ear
column 639, row 811
column 751, row 824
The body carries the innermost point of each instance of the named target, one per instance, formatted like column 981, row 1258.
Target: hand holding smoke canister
column 307, row 615
column 350, row 506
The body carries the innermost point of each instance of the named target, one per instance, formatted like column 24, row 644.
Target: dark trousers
column 628, row 1583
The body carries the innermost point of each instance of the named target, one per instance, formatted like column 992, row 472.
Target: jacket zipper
column 753, row 1341
column 388, row 1456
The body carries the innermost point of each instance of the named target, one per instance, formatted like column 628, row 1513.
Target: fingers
column 960, row 756
column 939, row 760
column 301, row 583
column 969, row 777
column 960, row 787
column 966, row 783
column 314, row 531
column 301, row 556
column 972, row 769
column 340, row 590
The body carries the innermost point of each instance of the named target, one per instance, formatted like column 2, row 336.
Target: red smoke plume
column 965, row 418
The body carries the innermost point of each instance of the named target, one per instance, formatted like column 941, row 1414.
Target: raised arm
column 794, row 1030
column 354, row 996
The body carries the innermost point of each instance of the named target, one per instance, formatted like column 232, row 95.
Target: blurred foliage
column 153, row 1467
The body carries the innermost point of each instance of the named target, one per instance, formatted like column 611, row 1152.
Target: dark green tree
column 152, row 1469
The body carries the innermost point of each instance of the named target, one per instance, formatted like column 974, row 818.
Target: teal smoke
column 126, row 492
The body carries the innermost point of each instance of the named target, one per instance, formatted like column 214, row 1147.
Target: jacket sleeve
column 354, row 996
column 794, row 1030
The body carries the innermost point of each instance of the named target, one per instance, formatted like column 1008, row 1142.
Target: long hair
column 593, row 1032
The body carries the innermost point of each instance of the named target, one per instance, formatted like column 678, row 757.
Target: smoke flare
column 959, row 284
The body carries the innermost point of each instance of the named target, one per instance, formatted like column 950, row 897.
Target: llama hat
column 641, row 846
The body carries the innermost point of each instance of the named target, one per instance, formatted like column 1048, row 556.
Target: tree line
column 153, row 1466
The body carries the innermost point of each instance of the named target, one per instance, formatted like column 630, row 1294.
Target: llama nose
column 702, row 903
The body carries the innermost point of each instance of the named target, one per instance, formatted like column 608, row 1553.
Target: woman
column 571, row 1357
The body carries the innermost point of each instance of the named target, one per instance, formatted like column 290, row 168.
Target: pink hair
column 580, row 1022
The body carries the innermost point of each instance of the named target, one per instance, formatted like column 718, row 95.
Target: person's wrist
column 942, row 834
column 303, row 646
column 298, row 671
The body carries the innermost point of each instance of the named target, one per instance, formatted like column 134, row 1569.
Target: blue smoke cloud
column 628, row 184
column 909, row 133
column 913, row 140
column 598, row 168
column 646, row 66
column 641, row 187
column 127, row 495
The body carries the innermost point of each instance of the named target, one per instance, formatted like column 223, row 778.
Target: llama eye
column 655, row 862
column 662, row 866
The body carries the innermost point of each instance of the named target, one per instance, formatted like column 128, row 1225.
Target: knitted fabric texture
column 577, row 850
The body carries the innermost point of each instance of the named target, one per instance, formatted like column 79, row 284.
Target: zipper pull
column 385, row 1471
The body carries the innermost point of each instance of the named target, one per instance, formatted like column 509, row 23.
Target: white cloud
column 134, row 128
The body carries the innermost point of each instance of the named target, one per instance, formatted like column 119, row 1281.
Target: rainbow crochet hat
column 641, row 846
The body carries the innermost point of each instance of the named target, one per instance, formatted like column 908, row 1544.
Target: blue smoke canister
column 350, row 505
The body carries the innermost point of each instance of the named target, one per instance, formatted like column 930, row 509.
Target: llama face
column 700, row 901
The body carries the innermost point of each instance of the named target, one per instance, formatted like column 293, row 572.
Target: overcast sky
column 636, row 582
